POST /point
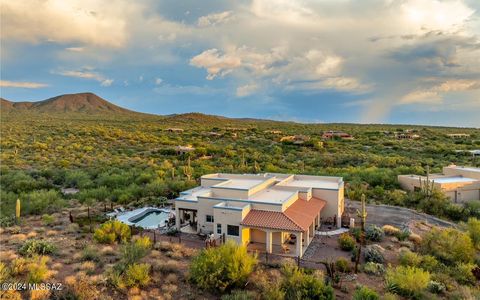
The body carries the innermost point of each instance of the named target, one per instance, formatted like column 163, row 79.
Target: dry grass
column 171, row 278
column 31, row 234
column 17, row 238
column 52, row 233
column 88, row 266
column 39, row 294
column 415, row 238
column 7, row 255
column 107, row 250
column 390, row 230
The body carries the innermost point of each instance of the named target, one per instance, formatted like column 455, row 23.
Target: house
column 176, row 130
column 458, row 135
column 184, row 149
column 268, row 211
column 295, row 139
column 273, row 131
column 340, row 134
column 406, row 136
column 460, row 184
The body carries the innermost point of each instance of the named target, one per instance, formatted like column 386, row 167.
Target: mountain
column 69, row 103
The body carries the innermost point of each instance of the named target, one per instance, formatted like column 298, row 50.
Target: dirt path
column 394, row 215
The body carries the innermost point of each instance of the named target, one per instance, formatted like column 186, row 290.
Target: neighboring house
column 340, row 134
column 460, row 184
column 184, row 149
column 177, row 130
column 270, row 211
column 273, row 131
column 295, row 139
column 458, row 135
column 407, row 136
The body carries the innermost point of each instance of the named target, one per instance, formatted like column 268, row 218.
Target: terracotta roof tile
column 297, row 217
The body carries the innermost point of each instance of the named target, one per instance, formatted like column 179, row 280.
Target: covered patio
column 288, row 232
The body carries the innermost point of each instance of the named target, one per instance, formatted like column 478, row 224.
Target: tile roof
column 297, row 217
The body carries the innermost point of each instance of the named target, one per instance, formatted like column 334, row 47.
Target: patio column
column 307, row 237
column 299, row 250
column 268, row 242
column 318, row 221
column 177, row 218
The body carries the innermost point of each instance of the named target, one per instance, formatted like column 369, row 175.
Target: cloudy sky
column 368, row 61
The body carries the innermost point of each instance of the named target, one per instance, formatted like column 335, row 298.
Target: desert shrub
column 299, row 285
column 365, row 293
column 436, row 287
column 143, row 242
column 403, row 234
column 342, row 265
column 346, row 242
column 134, row 251
column 407, row 281
column 390, row 230
column 239, row 295
column 137, row 275
column 222, row 268
column 389, row 296
column 37, row 269
column 429, row 263
column 273, row 292
column 356, row 232
column 373, row 254
column 18, row 266
column 374, row 233
column 81, row 288
column 374, row 268
column 7, row 221
column 4, row 272
column 448, row 245
column 415, row 238
column 409, row 258
column 48, row 219
column 462, row 273
column 473, row 228
column 91, row 254
column 33, row 247
column 112, row 231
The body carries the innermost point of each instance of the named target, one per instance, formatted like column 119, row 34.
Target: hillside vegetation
column 131, row 157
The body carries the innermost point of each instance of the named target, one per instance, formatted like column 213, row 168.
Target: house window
column 209, row 218
column 233, row 230
column 219, row 228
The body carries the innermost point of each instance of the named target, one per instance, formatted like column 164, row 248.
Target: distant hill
column 68, row 103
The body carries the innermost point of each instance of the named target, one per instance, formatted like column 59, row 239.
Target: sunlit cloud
column 86, row 73
column 22, row 84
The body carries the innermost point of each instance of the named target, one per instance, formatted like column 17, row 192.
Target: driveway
column 393, row 215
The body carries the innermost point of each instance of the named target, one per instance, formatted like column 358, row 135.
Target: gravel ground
column 394, row 215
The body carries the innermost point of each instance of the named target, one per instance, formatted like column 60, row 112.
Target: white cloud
column 215, row 63
column 214, row 19
column 86, row 73
column 435, row 93
column 158, row 81
column 246, row 90
column 22, row 84
column 75, row 49
column 95, row 22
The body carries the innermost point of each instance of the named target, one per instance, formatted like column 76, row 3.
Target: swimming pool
column 146, row 217
column 152, row 219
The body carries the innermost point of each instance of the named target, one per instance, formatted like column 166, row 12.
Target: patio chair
column 285, row 249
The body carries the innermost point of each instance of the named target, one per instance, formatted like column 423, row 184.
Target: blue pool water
column 152, row 219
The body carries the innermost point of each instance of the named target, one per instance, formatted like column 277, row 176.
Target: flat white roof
column 453, row 179
column 272, row 195
column 472, row 169
column 316, row 183
column 241, row 183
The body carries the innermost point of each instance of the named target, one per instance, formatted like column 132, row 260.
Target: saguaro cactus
column 188, row 170
column 362, row 214
column 17, row 210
